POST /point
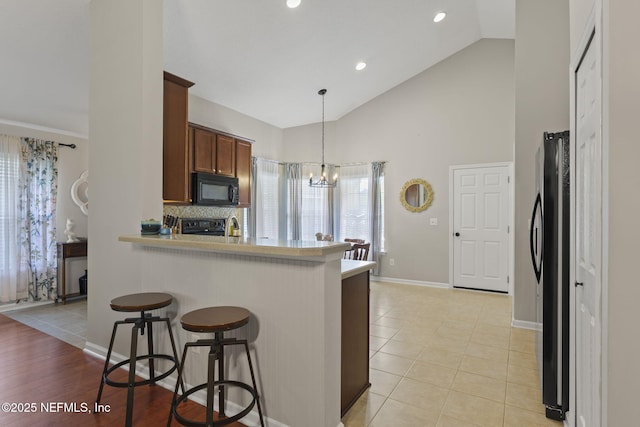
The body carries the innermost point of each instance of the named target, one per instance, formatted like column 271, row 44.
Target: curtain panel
column 266, row 206
column 293, row 176
column 377, row 213
column 37, row 207
column 13, row 272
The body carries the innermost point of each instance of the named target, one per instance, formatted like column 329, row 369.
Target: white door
column 588, row 234
column 481, row 228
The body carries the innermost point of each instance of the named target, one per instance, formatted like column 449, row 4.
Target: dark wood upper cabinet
column 213, row 152
column 225, row 155
column 189, row 147
column 243, row 172
column 204, row 152
column 175, row 148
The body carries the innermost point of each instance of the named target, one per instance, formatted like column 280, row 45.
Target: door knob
column 457, row 234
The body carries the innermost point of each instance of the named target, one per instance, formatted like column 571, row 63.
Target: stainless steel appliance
column 214, row 190
column 205, row 226
column 549, row 242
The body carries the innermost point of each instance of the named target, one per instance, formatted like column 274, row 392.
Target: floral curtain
column 38, row 193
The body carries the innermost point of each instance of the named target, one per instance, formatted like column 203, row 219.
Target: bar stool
column 215, row 320
column 141, row 302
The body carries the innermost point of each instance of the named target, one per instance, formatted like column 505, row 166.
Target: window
column 316, row 215
column 267, row 203
column 355, row 202
column 9, row 191
column 287, row 207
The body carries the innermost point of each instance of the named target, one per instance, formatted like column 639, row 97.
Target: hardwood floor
column 45, row 374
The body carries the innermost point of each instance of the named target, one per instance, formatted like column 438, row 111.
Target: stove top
column 206, row 226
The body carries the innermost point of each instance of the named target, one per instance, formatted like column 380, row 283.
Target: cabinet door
column 175, row 183
column 204, row 151
column 225, row 155
column 243, row 172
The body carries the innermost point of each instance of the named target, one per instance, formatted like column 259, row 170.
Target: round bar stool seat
column 216, row 320
column 142, row 303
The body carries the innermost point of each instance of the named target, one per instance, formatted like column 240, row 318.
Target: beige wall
column 458, row 112
column 620, row 142
column 542, row 104
column 125, row 160
column 268, row 138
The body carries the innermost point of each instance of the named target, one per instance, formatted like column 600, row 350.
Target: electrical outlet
column 392, row 262
column 433, row 221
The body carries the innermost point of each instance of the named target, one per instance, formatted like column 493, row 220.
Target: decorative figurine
column 71, row 235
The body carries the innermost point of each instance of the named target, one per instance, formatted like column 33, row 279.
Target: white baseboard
column 523, row 324
column 251, row 419
column 410, row 282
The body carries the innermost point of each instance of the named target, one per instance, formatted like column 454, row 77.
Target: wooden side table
column 66, row 251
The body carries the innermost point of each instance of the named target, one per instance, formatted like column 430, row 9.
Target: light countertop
column 350, row 267
column 241, row 246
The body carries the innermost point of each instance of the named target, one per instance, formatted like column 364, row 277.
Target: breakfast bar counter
column 294, row 249
column 294, row 293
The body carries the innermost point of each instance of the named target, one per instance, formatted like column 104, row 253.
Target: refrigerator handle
column 536, row 268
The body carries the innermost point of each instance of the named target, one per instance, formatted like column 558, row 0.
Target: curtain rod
column 72, row 146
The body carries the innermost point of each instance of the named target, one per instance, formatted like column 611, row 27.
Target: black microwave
column 214, row 190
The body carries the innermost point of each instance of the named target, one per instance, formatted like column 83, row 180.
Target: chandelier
column 323, row 182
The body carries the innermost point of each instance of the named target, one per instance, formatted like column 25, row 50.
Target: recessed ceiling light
column 361, row 65
column 439, row 16
column 293, row 3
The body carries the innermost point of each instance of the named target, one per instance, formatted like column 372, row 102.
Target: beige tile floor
column 442, row 357
column 439, row 357
column 67, row 322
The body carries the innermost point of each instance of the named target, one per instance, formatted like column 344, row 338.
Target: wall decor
column 416, row 195
column 80, row 192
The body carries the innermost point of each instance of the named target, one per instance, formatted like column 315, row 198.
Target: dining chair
column 360, row 251
column 348, row 253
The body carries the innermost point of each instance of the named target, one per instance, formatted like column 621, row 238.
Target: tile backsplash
column 204, row 212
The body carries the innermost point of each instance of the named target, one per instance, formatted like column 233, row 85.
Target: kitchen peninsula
column 293, row 290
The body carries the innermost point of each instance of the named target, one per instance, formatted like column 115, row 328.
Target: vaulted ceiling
column 257, row 57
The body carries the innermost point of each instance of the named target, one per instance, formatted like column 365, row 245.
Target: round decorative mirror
column 416, row 195
column 80, row 192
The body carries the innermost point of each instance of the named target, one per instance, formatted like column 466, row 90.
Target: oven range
column 206, row 226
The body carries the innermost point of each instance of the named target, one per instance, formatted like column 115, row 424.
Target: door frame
column 510, row 215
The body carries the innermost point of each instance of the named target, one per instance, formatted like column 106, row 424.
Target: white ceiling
column 254, row 56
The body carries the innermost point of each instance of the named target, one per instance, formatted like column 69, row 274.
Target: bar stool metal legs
column 216, row 352
column 139, row 324
column 215, row 320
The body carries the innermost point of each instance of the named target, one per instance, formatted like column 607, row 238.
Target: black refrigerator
column 549, row 241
